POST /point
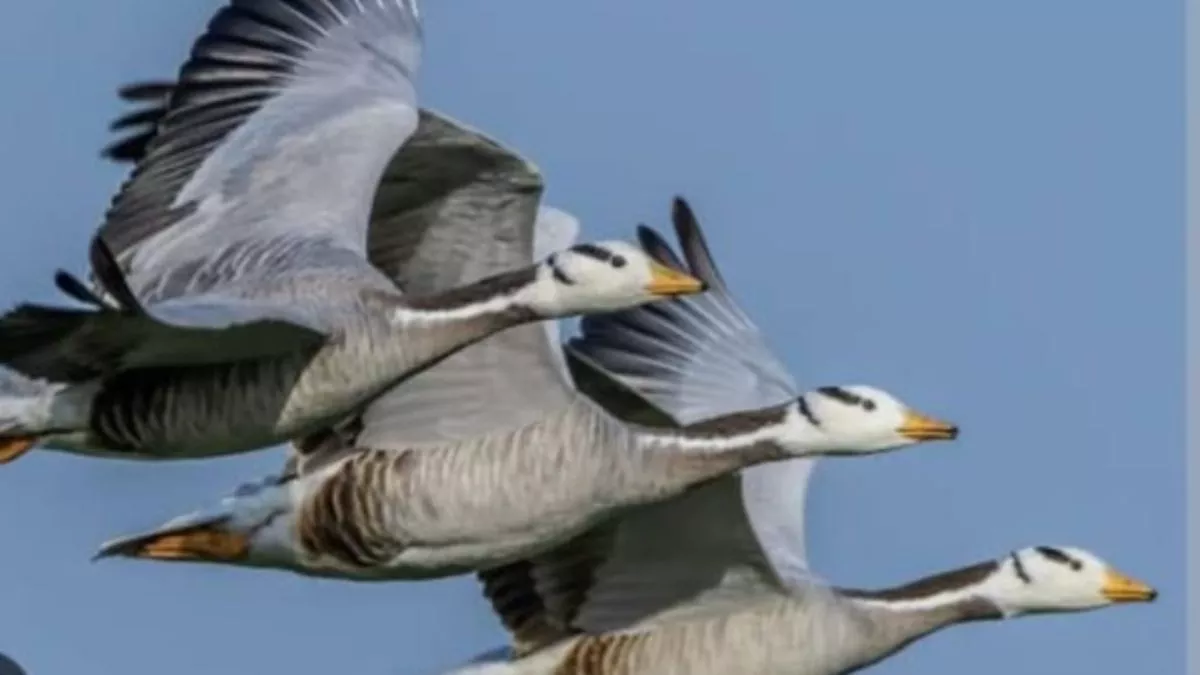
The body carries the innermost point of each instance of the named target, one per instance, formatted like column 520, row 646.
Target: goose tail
column 253, row 521
column 28, row 408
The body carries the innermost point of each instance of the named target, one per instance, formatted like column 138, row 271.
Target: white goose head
column 602, row 277
column 861, row 419
column 1042, row 579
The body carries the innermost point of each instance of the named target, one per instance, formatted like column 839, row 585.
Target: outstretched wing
column 137, row 127
column 700, row 357
column 258, row 166
column 273, row 139
column 692, row 358
column 456, row 206
column 696, row 357
column 509, row 380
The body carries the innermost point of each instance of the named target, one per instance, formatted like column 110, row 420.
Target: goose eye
column 618, row 261
column 868, row 405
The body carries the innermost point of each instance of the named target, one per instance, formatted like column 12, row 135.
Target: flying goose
column 747, row 620
column 493, row 456
column 716, row 581
column 237, row 307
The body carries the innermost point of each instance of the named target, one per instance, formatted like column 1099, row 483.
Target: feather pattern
column 491, row 457
column 714, row 580
column 240, row 242
column 695, row 359
column 276, row 100
column 253, row 189
column 315, row 91
column 771, row 634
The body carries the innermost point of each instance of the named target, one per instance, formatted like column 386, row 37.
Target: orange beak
column 1120, row 588
column 920, row 427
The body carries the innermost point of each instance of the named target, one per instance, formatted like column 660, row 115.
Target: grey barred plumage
column 769, row 636
column 645, row 517
column 407, row 507
column 716, row 580
column 217, row 409
column 242, row 234
column 503, row 460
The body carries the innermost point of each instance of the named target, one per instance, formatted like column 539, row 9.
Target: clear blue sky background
column 976, row 205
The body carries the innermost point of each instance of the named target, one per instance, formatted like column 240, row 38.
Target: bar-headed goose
column 716, row 581
column 493, row 456
column 238, row 307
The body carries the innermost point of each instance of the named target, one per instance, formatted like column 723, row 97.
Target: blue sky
column 978, row 206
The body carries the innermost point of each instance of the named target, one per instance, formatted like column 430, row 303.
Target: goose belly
column 771, row 637
column 195, row 411
column 235, row 407
column 465, row 511
column 448, row 510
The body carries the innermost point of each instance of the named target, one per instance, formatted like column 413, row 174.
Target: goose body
column 757, row 627
column 716, row 580
column 241, row 298
column 493, row 455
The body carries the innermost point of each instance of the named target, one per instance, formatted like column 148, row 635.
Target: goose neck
column 487, row 305
column 718, row 446
column 941, row 599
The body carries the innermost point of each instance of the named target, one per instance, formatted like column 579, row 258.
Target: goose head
column 1042, row 579
column 860, row 419
column 602, row 277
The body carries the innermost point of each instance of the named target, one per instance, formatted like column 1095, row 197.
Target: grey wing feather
column 450, row 192
column 677, row 555
column 138, row 126
column 508, row 380
column 274, row 137
column 454, row 205
column 696, row 357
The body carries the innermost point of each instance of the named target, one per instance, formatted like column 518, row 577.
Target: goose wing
column 276, row 131
column 427, row 234
column 508, row 380
column 261, row 168
column 691, row 359
column 696, row 358
column 434, row 205
column 137, row 126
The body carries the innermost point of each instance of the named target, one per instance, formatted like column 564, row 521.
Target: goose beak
column 665, row 281
column 1120, row 588
column 918, row 427
column 206, row 543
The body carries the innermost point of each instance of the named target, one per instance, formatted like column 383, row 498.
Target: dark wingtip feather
column 133, row 148
column 695, row 247
column 128, row 150
column 151, row 90
column 657, row 247
column 146, row 117
column 110, row 277
column 69, row 285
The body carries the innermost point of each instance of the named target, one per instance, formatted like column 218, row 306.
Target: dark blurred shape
column 10, row 667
